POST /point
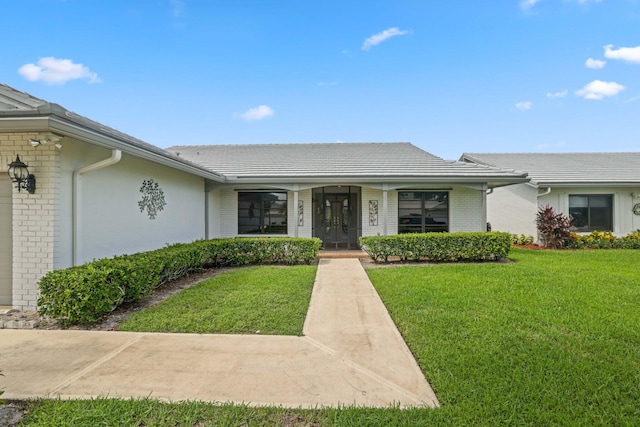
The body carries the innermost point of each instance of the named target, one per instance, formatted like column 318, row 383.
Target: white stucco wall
column 111, row 222
column 215, row 209
column 513, row 208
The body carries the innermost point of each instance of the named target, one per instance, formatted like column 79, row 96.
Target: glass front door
column 336, row 219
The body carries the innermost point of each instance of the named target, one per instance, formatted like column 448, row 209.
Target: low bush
column 604, row 240
column 521, row 239
column 85, row 293
column 439, row 247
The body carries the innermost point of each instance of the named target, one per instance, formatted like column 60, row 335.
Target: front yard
column 551, row 339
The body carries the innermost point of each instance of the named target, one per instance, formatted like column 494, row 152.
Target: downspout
column 485, row 193
column 207, row 194
column 547, row 191
column 76, row 196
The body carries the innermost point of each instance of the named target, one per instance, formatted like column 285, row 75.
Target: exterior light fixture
column 19, row 174
column 47, row 139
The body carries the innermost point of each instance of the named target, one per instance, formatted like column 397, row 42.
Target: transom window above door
column 262, row 213
column 423, row 211
column 592, row 211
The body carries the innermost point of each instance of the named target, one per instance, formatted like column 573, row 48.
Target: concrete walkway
column 351, row 353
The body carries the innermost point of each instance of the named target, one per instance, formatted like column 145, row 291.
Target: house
column 99, row 192
column 601, row 191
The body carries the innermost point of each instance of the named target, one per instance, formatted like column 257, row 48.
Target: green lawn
column 269, row 300
column 551, row 339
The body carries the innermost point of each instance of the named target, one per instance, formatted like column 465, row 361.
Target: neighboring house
column 101, row 193
column 600, row 190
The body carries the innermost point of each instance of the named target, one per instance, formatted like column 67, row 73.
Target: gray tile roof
column 558, row 169
column 343, row 160
column 17, row 104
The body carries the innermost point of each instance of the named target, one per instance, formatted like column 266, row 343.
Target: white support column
column 385, row 191
column 294, row 209
column 484, row 206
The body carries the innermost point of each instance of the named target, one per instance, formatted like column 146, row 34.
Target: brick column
column 36, row 221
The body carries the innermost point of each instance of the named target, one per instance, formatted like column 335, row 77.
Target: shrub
column 605, row 240
column 553, row 227
column 85, row 293
column 521, row 239
column 630, row 241
column 438, row 247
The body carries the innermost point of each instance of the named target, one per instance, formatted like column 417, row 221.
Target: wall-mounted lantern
column 19, row 174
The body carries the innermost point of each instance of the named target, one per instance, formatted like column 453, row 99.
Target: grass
column 552, row 339
column 266, row 300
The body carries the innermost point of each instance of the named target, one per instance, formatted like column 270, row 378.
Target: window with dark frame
column 423, row 211
column 262, row 213
column 591, row 211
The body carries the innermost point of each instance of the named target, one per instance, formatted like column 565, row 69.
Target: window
column 592, row 211
column 423, row 211
column 262, row 213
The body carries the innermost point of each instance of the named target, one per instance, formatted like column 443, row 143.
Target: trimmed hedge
column 439, row 247
column 85, row 293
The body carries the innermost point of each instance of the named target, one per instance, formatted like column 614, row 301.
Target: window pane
column 420, row 212
column 262, row 213
column 600, row 219
column 603, row 201
column 592, row 211
column 580, row 218
column 578, row 202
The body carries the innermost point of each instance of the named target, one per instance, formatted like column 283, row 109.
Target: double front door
column 336, row 220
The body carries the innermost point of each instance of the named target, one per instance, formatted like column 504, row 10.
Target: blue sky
column 449, row 76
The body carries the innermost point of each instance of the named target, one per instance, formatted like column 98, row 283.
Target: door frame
column 332, row 231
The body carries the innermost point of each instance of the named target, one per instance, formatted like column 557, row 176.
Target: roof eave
column 602, row 184
column 494, row 181
column 47, row 119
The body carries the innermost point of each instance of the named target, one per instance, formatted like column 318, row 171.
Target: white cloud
column 598, row 89
column 178, row 8
column 560, row 94
column 628, row 54
column 57, row 71
column 528, row 4
column 595, row 64
column 376, row 39
column 524, row 106
column 257, row 113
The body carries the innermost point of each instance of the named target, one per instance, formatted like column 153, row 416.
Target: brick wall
column 36, row 220
column 465, row 210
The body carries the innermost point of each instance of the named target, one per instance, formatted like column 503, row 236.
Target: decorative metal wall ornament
column 373, row 213
column 300, row 213
column 152, row 198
